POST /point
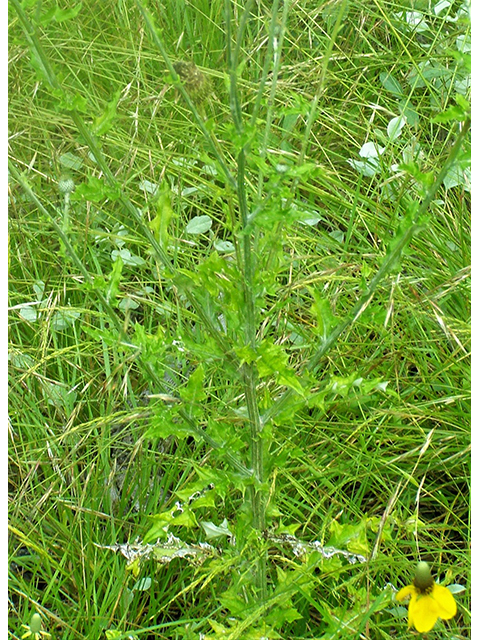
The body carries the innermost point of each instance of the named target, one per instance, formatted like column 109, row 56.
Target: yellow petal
column 423, row 611
column 447, row 607
column 405, row 591
column 411, row 608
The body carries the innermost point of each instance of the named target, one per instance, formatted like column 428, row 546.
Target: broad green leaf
column 70, row 102
column 395, row 126
column 21, row 360
column 128, row 304
column 323, row 314
column 58, row 395
column 371, row 150
column 152, row 345
column 415, row 20
column 148, row 187
column 331, row 11
column 289, row 378
column 193, row 392
column 459, row 112
column 350, row 537
column 60, row 15
column 199, row 224
column 128, row 258
column 105, row 121
column 114, row 278
column 463, row 43
column 159, row 225
column 64, row 318
column 224, row 246
column 197, row 494
column 39, row 288
column 425, row 179
column 212, row 531
column 366, row 168
column 458, row 176
column 220, row 479
column 143, row 585
column 272, row 358
column 28, row 313
column 456, row 588
column 70, row 161
column 398, row 611
column 246, row 354
column 441, row 6
column 408, row 111
column 95, row 190
column 391, row 84
column 166, row 422
column 177, row 517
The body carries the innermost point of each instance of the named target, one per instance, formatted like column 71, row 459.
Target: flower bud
column 35, row 623
column 66, row 184
column 423, row 578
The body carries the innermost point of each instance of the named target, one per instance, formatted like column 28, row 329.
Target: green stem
column 266, row 65
column 66, row 213
column 277, row 33
column 249, row 370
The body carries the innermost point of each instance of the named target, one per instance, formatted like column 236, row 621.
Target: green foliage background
column 132, row 353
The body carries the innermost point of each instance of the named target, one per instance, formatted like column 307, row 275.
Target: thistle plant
column 231, row 349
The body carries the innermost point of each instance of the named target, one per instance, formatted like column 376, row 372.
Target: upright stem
column 249, row 369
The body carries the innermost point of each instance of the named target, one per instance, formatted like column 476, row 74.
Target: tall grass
column 239, row 316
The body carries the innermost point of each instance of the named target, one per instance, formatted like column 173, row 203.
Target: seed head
column 195, row 82
column 423, row 578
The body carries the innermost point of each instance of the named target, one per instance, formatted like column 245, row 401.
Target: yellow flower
column 428, row 600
